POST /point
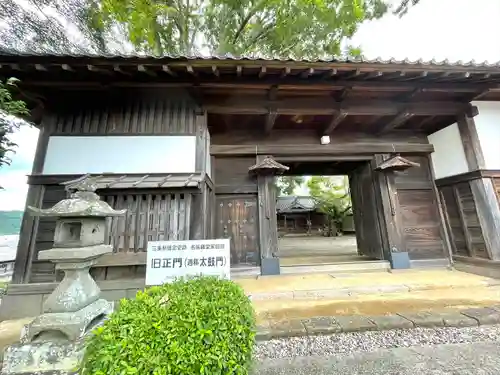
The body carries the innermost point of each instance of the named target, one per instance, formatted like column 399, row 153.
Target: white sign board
column 167, row 260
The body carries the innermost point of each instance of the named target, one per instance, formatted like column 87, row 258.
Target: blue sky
column 439, row 29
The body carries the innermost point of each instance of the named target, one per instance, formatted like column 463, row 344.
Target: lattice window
column 149, row 217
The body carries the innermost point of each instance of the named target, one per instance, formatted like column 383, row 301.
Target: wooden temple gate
column 240, row 113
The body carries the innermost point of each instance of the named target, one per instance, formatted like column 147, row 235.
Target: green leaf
column 183, row 336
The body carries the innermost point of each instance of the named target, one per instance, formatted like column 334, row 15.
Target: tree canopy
column 295, row 28
column 9, row 110
column 405, row 6
column 333, row 198
column 270, row 28
column 286, row 185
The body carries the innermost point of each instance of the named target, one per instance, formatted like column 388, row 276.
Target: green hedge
column 197, row 326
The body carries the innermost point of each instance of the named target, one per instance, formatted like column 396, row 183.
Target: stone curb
column 358, row 291
column 357, row 323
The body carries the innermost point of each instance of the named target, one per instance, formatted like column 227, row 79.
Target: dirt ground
column 302, row 249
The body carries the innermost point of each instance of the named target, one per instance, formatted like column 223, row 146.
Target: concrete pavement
column 447, row 359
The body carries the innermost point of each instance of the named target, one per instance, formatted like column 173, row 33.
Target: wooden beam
column 353, row 75
column 144, row 69
column 398, row 120
column 470, row 141
column 412, row 94
column 40, row 67
column 335, row 121
column 328, row 106
column 169, row 71
column 262, row 72
column 350, row 148
column 289, row 83
column 191, row 71
column 118, row 69
column 343, row 94
column 239, row 70
column 420, row 75
column 329, row 74
column 481, row 94
column 93, row 68
column 215, row 71
column 426, row 121
column 272, row 114
column 67, row 68
column 306, row 73
column 285, row 72
column 270, row 120
column 374, row 74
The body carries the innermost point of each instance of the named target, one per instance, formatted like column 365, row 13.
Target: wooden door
column 365, row 212
column 237, row 219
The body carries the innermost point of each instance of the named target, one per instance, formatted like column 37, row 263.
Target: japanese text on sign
column 167, row 260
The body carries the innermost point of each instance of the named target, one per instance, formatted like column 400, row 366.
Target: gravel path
column 368, row 341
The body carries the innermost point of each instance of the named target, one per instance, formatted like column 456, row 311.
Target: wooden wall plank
column 456, row 226
column 233, row 177
column 125, row 112
column 469, row 217
column 488, row 213
column 421, row 221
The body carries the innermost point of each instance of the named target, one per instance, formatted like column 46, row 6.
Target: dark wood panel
column 125, row 112
column 416, row 177
column 150, row 217
column 231, row 175
column 159, row 217
column 237, row 219
column 421, row 224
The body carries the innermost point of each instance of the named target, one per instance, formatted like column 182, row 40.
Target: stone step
column 328, row 325
column 358, row 291
column 344, row 267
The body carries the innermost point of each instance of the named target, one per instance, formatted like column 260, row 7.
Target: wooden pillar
column 266, row 168
column 488, row 213
column 29, row 224
column 483, row 191
column 268, row 228
column 391, row 219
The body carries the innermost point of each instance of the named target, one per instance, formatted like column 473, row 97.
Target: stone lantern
column 75, row 306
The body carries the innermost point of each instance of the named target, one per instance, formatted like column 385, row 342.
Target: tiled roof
column 260, row 58
column 295, row 204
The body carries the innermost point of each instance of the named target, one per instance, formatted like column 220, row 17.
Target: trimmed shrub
column 191, row 326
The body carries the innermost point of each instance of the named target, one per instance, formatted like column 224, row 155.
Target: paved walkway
column 450, row 359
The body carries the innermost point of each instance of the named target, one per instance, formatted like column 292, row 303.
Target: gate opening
column 330, row 218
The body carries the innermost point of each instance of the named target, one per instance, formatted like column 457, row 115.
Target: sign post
column 167, row 260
